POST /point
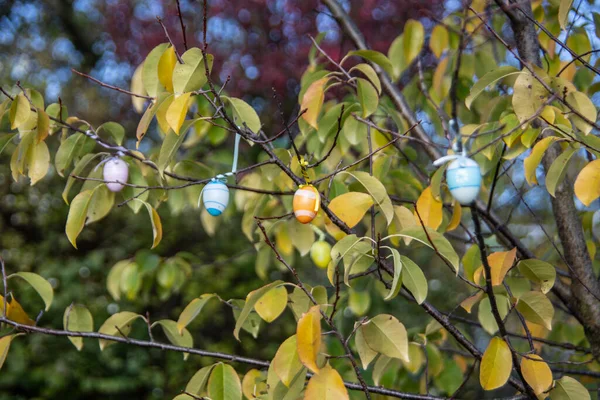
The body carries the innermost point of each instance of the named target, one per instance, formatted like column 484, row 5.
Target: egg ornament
column 115, row 170
column 215, row 197
column 464, row 179
column 306, row 203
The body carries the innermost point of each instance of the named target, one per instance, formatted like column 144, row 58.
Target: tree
column 355, row 192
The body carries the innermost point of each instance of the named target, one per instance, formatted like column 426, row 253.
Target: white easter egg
column 215, row 197
column 115, row 170
column 464, row 179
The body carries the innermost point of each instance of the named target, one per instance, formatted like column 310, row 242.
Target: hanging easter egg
column 464, row 179
column 215, row 197
column 306, row 203
column 115, row 170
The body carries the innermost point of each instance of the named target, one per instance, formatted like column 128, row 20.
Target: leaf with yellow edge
column 191, row 311
column 312, row 101
column 271, row 304
column 308, row 337
column 326, row 385
column 351, row 207
column 496, row 365
column 286, row 362
column 536, row 308
column 456, row 216
column 587, row 184
column 156, row 223
column 537, row 373
column 386, row 335
column 177, row 111
column 533, row 160
column 582, row 104
column 166, row 65
column 567, row 388
column 468, row 303
column 429, row 210
column 5, row 342
column 439, row 40
column 500, row 263
column 20, row 110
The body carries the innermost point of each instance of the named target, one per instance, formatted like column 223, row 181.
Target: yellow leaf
column 4, row 347
column 500, row 262
column 439, row 40
column 456, row 217
column 533, row 160
column 351, row 207
column 429, row 209
column 283, row 240
column 271, row 304
column 15, row 312
column 161, row 113
column 252, row 384
column 496, row 365
column 470, row 301
column 177, row 112
column 308, row 336
column 326, row 385
column 313, row 101
column 537, row 373
column 587, row 185
column 166, row 65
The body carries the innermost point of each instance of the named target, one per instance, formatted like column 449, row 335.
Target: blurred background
column 260, row 44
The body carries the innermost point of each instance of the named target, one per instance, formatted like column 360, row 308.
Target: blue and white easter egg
column 464, row 179
column 215, row 197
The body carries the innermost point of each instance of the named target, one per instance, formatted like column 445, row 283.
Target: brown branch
column 106, row 85
column 169, row 39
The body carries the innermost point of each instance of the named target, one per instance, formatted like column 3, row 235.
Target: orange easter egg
column 306, row 203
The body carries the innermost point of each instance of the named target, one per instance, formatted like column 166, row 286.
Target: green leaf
column 5, row 140
column 528, row 96
column 251, row 300
column 487, row 80
column 156, row 223
column 414, row 37
column 114, row 129
column 181, row 338
column 312, row 101
column 396, row 281
column 224, row 383
column 79, row 167
column 244, row 114
column 118, row 324
column 367, row 96
column 563, row 12
column 101, row 204
column 191, row 311
column 442, row 245
column 20, row 110
column 67, row 151
column 197, row 385
column 137, row 86
column 41, row 285
column 582, row 104
column 536, row 308
column 191, row 75
column 567, row 388
column 39, row 162
column 77, row 214
column 414, row 279
column 558, row 169
column 150, row 70
column 386, row 335
column 171, row 144
column 375, row 57
column 485, row 316
column 149, row 114
column 77, row 318
column 376, row 189
column 438, row 42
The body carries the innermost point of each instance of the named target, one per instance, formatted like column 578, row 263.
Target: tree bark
column 584, row 286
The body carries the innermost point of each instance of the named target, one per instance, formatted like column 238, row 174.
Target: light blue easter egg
column 215, row 197
column 464, row 179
